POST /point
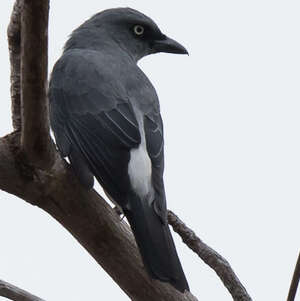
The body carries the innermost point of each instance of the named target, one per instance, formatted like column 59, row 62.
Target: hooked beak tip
column 169, row 45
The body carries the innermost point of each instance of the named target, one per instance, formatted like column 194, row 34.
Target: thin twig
column 35, row 137
column 14, row 46
column 219, row 264
column 295, row 281
column 12, row 292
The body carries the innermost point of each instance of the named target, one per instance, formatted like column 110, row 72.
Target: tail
column 156, row 245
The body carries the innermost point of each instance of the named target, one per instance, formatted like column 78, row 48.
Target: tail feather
column 156, row 244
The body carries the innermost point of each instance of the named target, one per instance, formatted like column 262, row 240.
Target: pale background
column 231, row 114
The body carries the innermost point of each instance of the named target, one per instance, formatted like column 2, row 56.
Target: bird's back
column 105, row 115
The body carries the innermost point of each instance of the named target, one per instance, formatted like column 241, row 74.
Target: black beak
column 168, row 45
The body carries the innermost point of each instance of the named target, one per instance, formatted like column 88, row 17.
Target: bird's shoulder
column 86, row 76
column 82, row 92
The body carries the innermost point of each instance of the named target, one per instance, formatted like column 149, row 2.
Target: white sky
column 231, row 114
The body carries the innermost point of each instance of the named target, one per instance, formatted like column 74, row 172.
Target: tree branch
column 14, row 36
column 218, row 263
column 35, row 138
column 295, row 281
column 33, row 172
column 14, row 293
column 87, row 217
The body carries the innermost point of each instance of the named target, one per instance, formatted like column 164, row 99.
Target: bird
column 105, row 116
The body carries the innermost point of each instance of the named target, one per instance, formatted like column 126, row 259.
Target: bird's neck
column 95, row 40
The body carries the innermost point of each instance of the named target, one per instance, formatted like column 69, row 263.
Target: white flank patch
column 140, row 167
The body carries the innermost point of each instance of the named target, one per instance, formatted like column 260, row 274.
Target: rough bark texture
column 35, row 138
column 211, row 258
column 14, row 45
column 86, row 216
column 14, row 293
column 31, row 169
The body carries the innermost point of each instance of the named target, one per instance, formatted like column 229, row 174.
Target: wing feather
column 92, row 120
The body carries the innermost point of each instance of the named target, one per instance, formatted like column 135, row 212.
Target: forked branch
column 45, row 180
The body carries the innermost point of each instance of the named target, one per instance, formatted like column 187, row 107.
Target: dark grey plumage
column 106, row 118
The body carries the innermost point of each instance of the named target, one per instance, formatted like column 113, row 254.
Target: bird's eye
column 138, row 30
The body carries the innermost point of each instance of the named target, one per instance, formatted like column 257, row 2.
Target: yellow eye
column 138, row 30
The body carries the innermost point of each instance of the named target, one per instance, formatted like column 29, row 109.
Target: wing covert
column 154, row 138
column 93, row 124
column 155, row 146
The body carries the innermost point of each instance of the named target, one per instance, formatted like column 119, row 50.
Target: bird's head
column 126, row 28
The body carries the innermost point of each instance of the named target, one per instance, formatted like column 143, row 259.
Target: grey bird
column 106, row 119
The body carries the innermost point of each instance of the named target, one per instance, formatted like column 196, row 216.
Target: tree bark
column 31, row 169
column 35, row 138
column 14, row 45
column 295, row 281
column 87, row 216
column 218, row 263
column 14, row 293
